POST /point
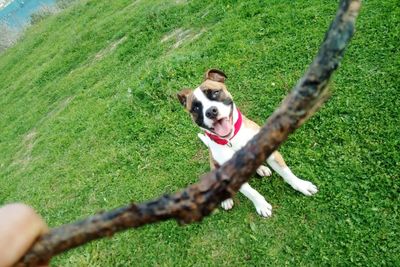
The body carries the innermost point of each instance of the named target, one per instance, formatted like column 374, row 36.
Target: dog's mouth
column 223, row 126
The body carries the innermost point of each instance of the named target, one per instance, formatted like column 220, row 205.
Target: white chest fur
column 222, row 153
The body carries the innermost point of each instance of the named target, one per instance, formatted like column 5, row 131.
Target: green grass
column 87, row 125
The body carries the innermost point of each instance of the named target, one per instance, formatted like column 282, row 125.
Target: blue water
column 17, row 13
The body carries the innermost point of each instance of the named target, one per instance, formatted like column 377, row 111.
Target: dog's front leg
column 227, row 204
column 218, row 156
column 262, row 206
column 278, row 164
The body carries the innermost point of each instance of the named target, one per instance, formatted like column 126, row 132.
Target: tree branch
column 198, row 200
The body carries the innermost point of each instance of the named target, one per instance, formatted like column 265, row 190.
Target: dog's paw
column 227, row 204
column 263, row 208
column 264, row 171
column 305, row 187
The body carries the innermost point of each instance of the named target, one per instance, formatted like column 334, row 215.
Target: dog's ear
column 183, row 95
column 215, row 75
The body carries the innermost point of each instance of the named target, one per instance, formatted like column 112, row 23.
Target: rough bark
column 200, row 199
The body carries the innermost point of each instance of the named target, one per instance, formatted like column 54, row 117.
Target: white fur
column 222, row 153
column 263, row 208
column 305, row 187
column 264, row 171
column 227, row 204
column 223, row 110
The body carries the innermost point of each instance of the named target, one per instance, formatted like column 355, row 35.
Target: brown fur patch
column 215, row 75
column 183, row 96
column 189, row 102
column 213, row 163
column 250, row 124
column 208, row 87
column 213, row 85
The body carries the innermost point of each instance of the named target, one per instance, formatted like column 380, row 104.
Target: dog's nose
column 212, row 112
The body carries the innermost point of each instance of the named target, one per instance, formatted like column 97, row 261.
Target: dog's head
column 210, row 105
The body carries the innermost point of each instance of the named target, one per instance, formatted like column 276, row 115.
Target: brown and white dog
column 226, row 130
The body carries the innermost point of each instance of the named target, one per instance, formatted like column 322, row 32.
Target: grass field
column 89, row 122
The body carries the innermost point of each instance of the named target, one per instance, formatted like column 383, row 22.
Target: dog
column 226, row 130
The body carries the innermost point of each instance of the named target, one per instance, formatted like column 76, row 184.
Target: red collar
column 221, row 141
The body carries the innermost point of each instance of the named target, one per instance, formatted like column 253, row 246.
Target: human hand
column 20, row 226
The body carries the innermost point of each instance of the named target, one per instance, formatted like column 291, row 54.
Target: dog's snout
column 212, row 112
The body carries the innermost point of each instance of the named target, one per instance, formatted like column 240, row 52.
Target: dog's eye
column 215, row 94
column 195, row 108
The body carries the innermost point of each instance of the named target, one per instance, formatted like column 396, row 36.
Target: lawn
column 89, row 121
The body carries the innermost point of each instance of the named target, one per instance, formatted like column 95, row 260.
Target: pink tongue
column 223, row 127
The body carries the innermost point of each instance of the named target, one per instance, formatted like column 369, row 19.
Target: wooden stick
column 200, row 199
